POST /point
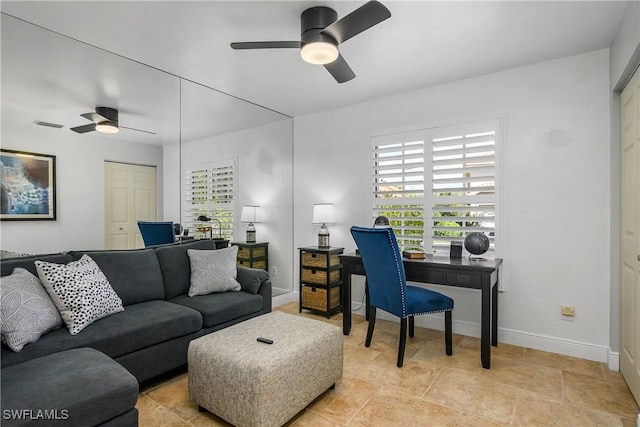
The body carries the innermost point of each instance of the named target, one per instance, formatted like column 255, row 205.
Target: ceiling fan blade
column 94, row 117
column 266, row 45
column 138, row 130
column 365, row 17
column 85, row 128
column 340, row 70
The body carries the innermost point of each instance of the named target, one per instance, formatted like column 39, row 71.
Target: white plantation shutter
column 459, row 165
column 398, row 180
column 463, row 183
column 210, row 191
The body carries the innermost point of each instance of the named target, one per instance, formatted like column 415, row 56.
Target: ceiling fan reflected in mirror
column 322, row 32
column 105, row 120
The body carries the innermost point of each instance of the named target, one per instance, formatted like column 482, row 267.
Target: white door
column 630, row 239
column 130, row 197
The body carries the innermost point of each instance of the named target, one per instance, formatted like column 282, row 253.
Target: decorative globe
column 476, row 243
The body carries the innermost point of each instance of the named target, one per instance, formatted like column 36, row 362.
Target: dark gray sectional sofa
column 148, row 338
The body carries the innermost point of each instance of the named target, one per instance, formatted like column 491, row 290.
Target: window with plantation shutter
column 210, row 191
column 458, row 166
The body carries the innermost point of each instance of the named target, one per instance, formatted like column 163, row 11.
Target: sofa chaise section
column 79, row 387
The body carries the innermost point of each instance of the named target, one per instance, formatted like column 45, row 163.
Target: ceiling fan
column 104, row 120
column 322, row 32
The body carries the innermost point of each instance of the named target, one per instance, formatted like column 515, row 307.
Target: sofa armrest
column 256, row 281
column 265, row 291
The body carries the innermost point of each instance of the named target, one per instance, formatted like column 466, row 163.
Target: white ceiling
column 424, row 43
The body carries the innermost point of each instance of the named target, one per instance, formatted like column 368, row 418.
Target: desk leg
column 346, row 299
column 485, row 327
column 494, row 315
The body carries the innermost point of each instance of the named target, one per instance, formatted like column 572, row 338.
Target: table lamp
column 323, row 213
column 204, row 218
column 250, row 214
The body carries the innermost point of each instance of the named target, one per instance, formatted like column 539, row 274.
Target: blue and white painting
column 26, row 185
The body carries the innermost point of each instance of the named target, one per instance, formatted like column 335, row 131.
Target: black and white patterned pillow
column 213, row 271
column 26, row 311
column 80, row 291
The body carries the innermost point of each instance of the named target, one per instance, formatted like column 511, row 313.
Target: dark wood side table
column 321, row 279
column 253, row 255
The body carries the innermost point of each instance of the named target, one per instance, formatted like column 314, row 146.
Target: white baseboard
column 284, row 299
column 613, row 360
column 551, row 344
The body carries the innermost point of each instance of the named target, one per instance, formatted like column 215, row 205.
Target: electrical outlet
column 274, row 271
column 567, row 312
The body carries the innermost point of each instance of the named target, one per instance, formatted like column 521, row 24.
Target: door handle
column 123, row 229
column 638, row 257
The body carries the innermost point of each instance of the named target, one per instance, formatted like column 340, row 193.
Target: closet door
column 130, row 196
column 630, row 239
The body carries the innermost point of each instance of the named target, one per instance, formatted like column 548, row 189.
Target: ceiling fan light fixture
column 319, row 53
column 107, row 127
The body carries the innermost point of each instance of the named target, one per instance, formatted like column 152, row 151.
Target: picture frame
column 27, row 186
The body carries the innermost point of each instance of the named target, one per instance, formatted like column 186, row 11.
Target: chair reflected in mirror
column 157, row 232
column 388, row 289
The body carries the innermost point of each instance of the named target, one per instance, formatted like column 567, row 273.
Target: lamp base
column 251, row 233
column 323, row 237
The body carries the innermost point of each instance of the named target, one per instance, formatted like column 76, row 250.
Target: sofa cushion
column 251, row 278
column 134, row 274
column 80, row 291
column 76, row 387
column 213, row 271
column 26, row 311
column 222, row 307
column 7, row 265
column 138, row 326
column 176, row 267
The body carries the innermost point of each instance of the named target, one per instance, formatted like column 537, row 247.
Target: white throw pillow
column 26, row 310
column 213, row 271
column 80, row 291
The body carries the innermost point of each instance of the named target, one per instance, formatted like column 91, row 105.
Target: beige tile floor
column 524, row 387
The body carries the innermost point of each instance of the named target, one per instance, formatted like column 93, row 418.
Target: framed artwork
column 27, row 186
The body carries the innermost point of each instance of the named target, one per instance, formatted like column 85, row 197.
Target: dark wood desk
column 464, row 273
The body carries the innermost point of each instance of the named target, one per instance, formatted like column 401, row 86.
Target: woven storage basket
column 316, row 298
column 319, row 260
column 257, row 252
column 310, row 275
column 262, row 264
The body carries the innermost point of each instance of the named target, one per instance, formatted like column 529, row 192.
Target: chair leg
column 372, row 324
column 367, row 303
column 411, row 325
column 448, row 336
column 403, row 341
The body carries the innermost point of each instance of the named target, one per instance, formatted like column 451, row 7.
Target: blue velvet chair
column 388, row 289
column 156, row 232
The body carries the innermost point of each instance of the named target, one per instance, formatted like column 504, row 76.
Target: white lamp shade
column 249, row 214
column 324, row 213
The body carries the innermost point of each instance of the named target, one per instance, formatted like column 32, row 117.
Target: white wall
column 80, row 222
column 556, row 181
column 264, row 176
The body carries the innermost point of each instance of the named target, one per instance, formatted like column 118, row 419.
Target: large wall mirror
column 219, row 131
column 53, row 79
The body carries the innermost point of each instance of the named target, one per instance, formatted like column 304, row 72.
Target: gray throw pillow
column 80, row 290
column 26, row 310
column 213, row 271
column 251, row 278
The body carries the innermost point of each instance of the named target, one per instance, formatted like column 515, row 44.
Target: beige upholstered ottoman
column 250, row 383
